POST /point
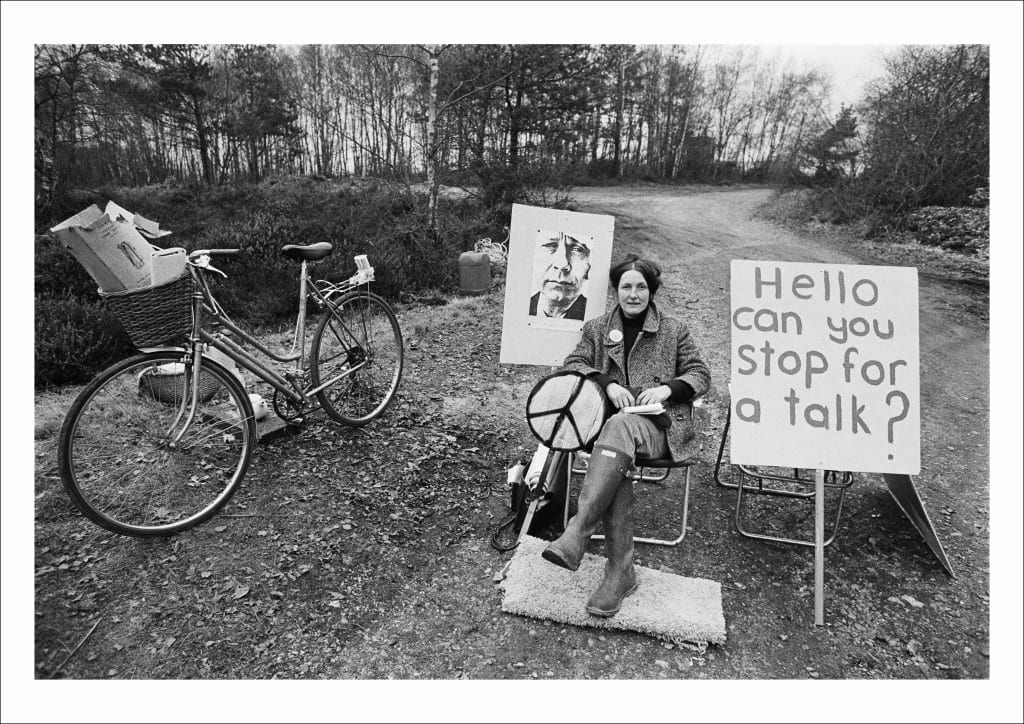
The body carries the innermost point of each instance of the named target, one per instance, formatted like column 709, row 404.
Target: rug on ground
column 666, row 606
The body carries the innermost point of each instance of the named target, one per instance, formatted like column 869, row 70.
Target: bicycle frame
column 132, row 469
column 204, row 303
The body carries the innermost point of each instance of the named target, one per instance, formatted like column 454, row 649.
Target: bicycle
column 159, row 442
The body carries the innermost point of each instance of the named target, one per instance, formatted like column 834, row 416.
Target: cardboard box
column 113, row 252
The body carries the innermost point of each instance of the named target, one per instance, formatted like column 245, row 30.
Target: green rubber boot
column 605, row 473
column 619, row 575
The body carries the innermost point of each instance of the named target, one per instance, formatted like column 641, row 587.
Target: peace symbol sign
column 566, row 410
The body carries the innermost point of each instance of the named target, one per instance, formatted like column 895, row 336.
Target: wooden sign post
column 824, row 373
column 819, row 547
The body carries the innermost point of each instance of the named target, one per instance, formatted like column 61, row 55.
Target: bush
column 928, row 121
column 603, row 169
column 956, row 228
column 357, row 216
column 833, row 205
column 57, row 272
column 979, row 197
column 960, row 229
column 75, row 338
column 537, row 183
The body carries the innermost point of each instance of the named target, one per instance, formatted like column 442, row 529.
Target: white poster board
column 557, row 278
column 825, row 366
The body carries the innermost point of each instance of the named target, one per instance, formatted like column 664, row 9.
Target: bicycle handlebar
column 214, row 252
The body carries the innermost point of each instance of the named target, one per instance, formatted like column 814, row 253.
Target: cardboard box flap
column 83, row 219
column 148, row 228
column 113, row 252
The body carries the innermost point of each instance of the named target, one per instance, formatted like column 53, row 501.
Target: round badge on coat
column 615, row 336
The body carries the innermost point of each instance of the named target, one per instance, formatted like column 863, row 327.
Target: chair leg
column 779, row 539
column 651, row 477
column 682, row 531
column 745, row 472
column 686, row 513
column 571, row 461
column 721, row 451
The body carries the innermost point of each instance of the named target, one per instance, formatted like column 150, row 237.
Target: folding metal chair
column 764, row 481
column 565, row 411
column 639, row 475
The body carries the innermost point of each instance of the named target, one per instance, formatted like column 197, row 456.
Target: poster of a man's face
column 557, row 277
column 561, row 269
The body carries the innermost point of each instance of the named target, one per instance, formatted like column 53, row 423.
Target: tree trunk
column 620, row 104
column 432, row 141
column 203, row 140
column 514, row 130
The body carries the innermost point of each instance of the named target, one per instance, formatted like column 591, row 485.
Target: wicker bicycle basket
column 154, row 315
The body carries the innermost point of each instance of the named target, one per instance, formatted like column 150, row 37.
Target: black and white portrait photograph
column 561, row 270
column 556, row 277
column 458, row 362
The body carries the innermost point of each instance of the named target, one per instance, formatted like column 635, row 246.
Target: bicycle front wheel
column 357, row 354
column 118, row 458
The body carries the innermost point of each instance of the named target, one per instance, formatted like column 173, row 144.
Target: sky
column 831, row 25
column 851, row 66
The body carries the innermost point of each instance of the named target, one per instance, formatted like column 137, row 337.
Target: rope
column 496, row 250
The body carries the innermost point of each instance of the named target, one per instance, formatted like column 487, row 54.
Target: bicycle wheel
column 357, row 349
column 116, row 458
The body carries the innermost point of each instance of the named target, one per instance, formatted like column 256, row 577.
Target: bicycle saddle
column 310, row 252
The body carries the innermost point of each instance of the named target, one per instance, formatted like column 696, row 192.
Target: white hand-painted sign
column 825, row 366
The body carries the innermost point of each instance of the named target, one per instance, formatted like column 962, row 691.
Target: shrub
column 928, row 128
column 960, row 229
column 956, row 228
column 788, row 205
column 834, row 205
column 57, row 272
column 979, row 197
column 538, row 183
column 357, row 216
column 75, row 338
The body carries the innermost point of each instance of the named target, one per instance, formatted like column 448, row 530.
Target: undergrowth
column 952, row 242
column 76, row 336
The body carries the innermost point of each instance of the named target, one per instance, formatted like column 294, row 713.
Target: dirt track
column 891, row 610
column 696, row 234
column 364, row 553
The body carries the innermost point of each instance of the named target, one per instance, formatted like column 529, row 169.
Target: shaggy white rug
column 666, row 606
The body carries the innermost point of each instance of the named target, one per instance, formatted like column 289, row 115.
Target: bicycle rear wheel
column 116, row 458
column 357, row 348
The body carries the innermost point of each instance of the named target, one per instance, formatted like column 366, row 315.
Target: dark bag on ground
column 548, row 519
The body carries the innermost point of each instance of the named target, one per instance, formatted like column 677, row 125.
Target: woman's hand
column 654, row 395
column 619, row 395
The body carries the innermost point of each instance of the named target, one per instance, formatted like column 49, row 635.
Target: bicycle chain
column 287, row 410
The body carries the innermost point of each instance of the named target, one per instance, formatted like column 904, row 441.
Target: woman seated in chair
column 640, row 356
